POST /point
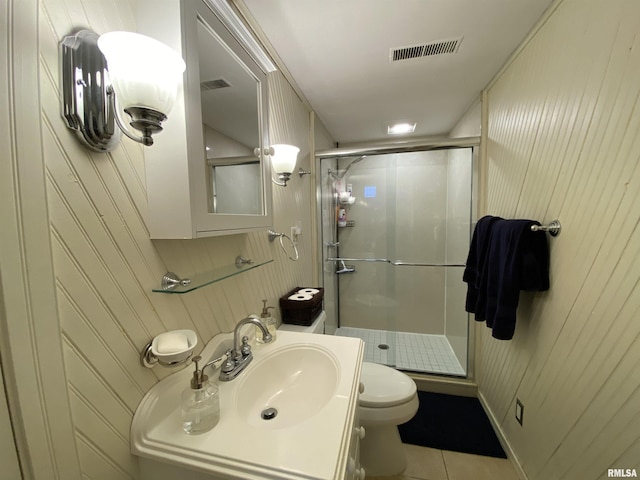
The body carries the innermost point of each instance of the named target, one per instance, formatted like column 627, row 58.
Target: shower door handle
column 398, row 263
column 341, row 259
column 395, row 263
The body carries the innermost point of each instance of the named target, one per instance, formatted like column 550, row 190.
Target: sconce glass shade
column 284, row 158
column 144, row 77
column 283, row 161
column 143, row 71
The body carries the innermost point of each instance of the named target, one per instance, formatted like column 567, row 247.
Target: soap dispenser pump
column 200, row 403
column 268, row 320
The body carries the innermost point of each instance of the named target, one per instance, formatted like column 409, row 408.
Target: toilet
column 389, row 399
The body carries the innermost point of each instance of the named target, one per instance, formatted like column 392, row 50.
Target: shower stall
column 395, row 233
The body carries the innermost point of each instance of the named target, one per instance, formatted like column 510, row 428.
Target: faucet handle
column 245, row 348
column 212, row 363
column 229, row 363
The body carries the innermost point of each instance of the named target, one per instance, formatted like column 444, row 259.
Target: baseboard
column 449, row 386
column 511, row 455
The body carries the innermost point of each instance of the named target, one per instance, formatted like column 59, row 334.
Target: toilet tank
column 316, row 327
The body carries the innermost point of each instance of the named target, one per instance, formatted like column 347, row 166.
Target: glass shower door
column 403, row 224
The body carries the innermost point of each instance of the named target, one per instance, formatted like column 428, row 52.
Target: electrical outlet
column 296, row 230
column 519, row 411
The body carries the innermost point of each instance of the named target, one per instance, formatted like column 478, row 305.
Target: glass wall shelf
column 207, row 278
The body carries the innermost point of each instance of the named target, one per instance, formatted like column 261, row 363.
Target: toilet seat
column 385, row 386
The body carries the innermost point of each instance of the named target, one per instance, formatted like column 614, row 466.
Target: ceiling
column 338, row 52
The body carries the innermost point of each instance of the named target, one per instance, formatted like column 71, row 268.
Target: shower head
column 340, row 173
column 359, row 159
column 336, row 174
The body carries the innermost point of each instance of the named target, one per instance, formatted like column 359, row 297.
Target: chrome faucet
column 240, row 355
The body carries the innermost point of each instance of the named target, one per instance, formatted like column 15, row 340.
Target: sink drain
column 269, row 413
column 383, row 346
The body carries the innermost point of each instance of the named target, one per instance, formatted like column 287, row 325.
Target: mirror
column 231, row 130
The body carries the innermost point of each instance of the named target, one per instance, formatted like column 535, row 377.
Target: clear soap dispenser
column 200, row 403
column 268, row 320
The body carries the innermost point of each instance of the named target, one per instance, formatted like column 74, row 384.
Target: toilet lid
column 384, row 386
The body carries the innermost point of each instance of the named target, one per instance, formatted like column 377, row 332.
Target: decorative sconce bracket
column 85, row 105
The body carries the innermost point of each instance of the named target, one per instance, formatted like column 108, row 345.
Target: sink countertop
column 314, row 448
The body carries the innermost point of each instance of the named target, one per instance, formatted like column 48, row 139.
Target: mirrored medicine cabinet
column 206, row 173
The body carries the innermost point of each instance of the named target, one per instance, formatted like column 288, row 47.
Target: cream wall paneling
column 562, row 141
column 105, row 265
column 8, row 447
column 290, row 123
column 31, row 348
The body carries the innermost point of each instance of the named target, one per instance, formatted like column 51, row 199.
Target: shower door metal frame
column 400, row 147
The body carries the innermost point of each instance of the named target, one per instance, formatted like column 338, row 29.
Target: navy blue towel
column 476, row 265
column 505, row 257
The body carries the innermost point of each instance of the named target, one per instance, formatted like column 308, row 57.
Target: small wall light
column 283, row 162
column 117, row 70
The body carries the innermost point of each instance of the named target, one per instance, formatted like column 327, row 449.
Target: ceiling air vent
column 214, row 84
column 425, row 50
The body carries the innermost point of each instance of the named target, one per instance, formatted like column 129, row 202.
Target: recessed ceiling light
column 400, row 128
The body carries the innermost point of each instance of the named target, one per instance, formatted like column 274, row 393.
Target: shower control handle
column 342, row 268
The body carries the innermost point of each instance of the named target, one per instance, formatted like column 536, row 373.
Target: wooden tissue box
column 301, row 312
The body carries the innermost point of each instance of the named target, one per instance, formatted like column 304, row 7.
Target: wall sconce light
column 117, row 70
column 283, row 162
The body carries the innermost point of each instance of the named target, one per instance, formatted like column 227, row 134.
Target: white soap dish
column 169, row 349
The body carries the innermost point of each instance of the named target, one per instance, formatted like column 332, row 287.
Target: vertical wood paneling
column 105, row 264
column 562, row 143
column 8, row 447
column 31, row 350
column 291, row 124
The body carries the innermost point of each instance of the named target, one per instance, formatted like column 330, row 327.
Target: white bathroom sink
column 287, row 386
column 311, row 380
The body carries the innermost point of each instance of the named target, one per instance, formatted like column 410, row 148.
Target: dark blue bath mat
column 448, row 422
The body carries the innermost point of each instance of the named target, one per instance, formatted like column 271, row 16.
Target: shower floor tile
column 412, row 351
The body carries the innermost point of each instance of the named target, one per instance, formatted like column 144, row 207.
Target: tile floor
column 407, row 351
column 431, row 464
column 428, row 353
